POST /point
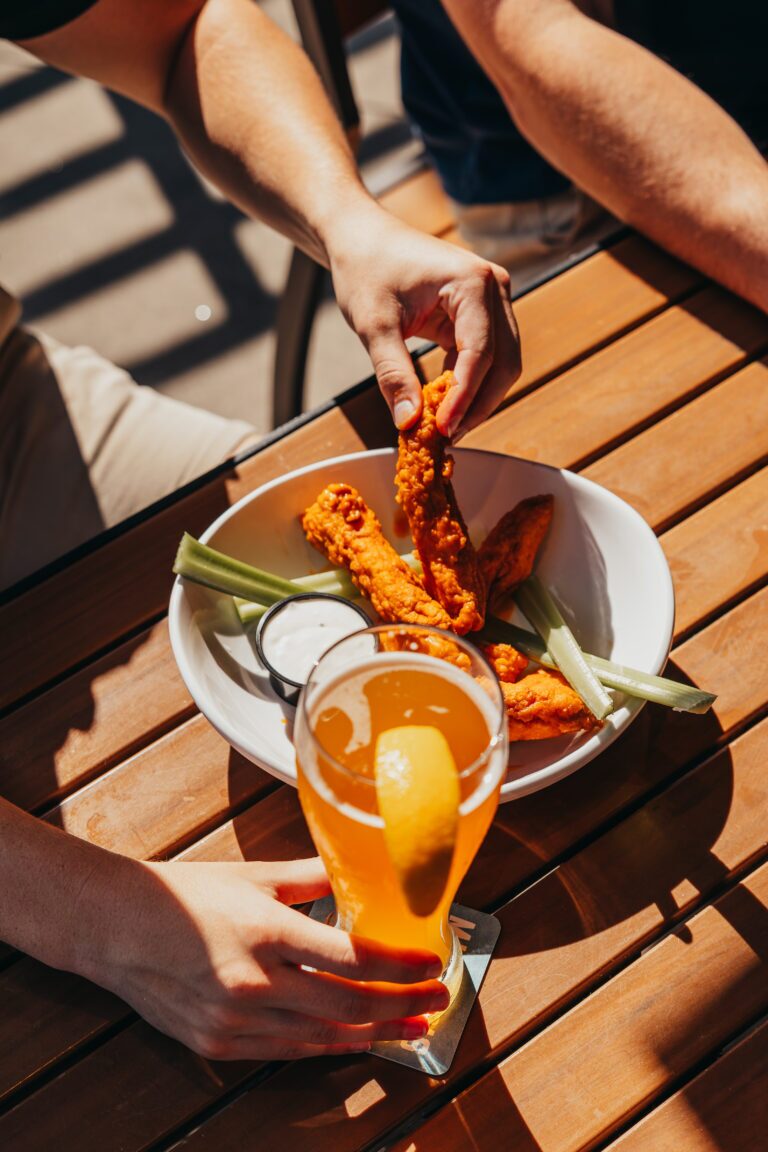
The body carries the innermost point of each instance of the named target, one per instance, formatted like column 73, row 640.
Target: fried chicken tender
column 451, row 571
column 508, row 664
column 343, row 528
column 508, row 553
column 441, row 647
column 544, row 704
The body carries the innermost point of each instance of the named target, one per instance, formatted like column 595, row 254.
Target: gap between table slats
column 725, row 1108
column 610, row 396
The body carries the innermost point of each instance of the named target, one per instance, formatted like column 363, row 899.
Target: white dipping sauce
column 302, row 630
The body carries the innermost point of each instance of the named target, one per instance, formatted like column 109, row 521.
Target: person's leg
column 82, row 447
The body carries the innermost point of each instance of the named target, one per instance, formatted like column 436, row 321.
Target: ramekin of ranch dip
column 294, row 633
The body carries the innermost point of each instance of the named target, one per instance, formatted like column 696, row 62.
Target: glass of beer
column 371, row 690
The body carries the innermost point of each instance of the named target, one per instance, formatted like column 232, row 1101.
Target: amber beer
column 347, row 704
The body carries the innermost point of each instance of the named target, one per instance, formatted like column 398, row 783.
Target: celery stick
column 644, row 685
column 249, row 612
column 543, row 613
column 204, row 565
column 336, row 582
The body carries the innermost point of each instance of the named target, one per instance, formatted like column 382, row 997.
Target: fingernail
column 415, row 1029
column 434, row 970
column 358, row 1047
column 404, row 410
column 440, row 1001
column 450, row 429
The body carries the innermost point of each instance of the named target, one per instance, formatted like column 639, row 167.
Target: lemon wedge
column 417, row 786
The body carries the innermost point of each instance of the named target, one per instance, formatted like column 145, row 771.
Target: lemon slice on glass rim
column 417, row 787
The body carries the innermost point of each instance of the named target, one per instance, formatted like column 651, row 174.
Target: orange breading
column 508, row 553
column 345, row 530
column 544, row 704
column 441, row 647
column 508, row 664
column 449, row 562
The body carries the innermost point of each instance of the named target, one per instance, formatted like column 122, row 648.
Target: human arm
column 252, row 114
column 630, row 130
column 209, row 953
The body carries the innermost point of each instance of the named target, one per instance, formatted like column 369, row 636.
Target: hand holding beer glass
column 401, row 754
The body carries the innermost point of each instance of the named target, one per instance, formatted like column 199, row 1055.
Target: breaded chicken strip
column 441, row 647
column 508, row 664
column 508, row 553
column 345, row 530
column 544, row 704
column 449, row 562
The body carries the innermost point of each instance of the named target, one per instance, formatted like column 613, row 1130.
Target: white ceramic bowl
column 601, row 560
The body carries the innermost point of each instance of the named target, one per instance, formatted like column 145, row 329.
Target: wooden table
column 625, row 1005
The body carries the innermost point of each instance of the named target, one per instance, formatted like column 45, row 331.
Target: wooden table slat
column 558, row 936
column 611, row 395
column 725, row 1109
column 92, row 720
column 590, row 305
column 719, row 554
column 729, row 437
column 168, row 794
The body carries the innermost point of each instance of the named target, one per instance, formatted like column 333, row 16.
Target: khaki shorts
column 82, row 447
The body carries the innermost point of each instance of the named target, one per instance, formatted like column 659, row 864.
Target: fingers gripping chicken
column 451, row 571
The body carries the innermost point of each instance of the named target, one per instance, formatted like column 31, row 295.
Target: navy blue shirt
column 468, row 133
column 29, row 18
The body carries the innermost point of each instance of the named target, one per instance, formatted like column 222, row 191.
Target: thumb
column 396, row 377
column 296, row 881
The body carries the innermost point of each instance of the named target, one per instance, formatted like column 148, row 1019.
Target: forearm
column 46, row 891
column 254, row 117
column 631, row 131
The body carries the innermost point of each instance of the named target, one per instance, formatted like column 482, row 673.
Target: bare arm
column 253, row 115
column 631, row 131
column 209, row 953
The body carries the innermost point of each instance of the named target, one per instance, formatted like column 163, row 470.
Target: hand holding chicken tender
column 456, row 582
